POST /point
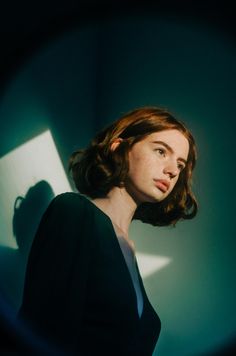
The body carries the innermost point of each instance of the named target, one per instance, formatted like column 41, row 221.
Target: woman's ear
column 116, row 143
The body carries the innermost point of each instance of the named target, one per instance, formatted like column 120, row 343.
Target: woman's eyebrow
column 170, row 149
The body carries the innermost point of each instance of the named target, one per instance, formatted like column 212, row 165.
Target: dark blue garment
column 78, row 291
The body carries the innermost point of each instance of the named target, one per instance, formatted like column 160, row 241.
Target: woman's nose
column 171, row 169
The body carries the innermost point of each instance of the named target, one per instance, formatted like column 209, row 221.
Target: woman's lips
column 162, row 184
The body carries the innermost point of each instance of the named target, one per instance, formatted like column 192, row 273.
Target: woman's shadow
column 28, row 211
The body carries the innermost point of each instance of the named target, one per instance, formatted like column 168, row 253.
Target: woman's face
column 155, row 164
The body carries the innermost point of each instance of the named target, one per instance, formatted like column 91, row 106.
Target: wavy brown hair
column 97, row 169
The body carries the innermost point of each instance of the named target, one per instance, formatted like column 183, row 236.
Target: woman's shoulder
column 69, row 198
column 68, row 203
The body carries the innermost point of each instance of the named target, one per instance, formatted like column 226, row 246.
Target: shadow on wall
column 228, row 349
column 28, row 211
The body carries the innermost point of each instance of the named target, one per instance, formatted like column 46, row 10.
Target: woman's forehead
column 168, row 134
column 173, row 138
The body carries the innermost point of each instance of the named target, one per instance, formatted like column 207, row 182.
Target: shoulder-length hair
column 97, row 169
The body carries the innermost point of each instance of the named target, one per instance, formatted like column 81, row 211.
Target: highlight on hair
column 97, row 169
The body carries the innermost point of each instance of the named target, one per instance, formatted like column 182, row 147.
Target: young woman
column 83, row 290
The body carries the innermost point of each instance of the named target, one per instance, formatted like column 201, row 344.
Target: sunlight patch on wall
column 150, row 264
column 21, row 169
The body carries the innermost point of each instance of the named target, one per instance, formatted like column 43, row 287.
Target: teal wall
column 87, row 78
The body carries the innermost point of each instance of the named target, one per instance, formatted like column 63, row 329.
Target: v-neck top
column 83, row 290
column 131, row 262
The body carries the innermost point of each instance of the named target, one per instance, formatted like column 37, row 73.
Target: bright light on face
column 34, row 161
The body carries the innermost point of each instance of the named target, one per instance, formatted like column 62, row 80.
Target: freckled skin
column 149, row 161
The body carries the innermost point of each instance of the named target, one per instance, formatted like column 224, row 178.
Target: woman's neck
column 119, row 206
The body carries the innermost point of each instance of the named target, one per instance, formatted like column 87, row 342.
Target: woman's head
column 137, row 152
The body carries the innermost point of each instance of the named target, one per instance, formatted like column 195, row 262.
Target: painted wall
column 87, row 78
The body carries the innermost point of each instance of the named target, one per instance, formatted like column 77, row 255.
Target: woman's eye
column 181, row 167
column 161, row 151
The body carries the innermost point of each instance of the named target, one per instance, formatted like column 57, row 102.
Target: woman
column 83, row 290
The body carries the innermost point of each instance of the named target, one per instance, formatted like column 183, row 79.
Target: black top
column 78, row 290
column 130, row 259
